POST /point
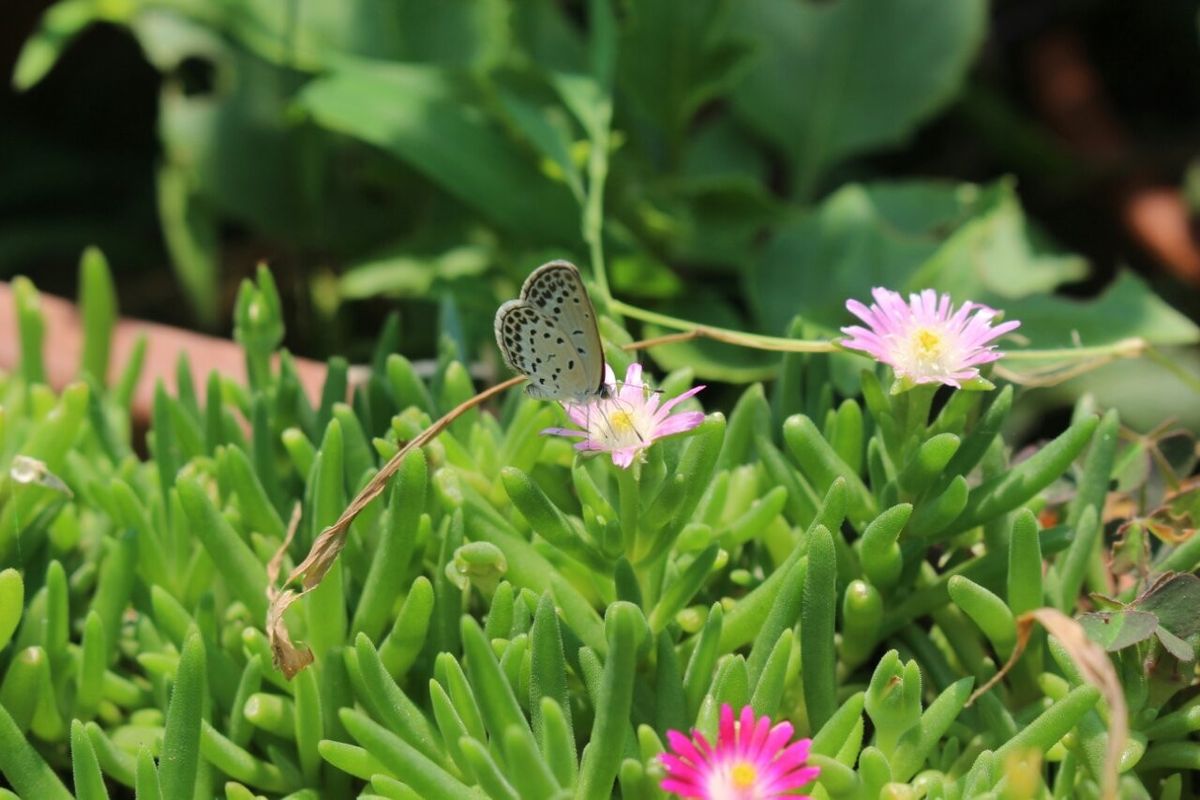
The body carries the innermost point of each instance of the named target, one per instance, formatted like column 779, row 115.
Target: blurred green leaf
column 548, row 35
column 1174, row 645
column 1128, row 307
column 1167, row 609
column 226, row 131
column 1143, row 392
column 404, row 275
column 860, row 237
column 190, row 231
column 548, row 128
column 990, row 258
column 427, row 122
column 722, row 147
column 469, row 33
column 675, row 55
column 833, row 80
column 715, row 220
column 641, row 275
column 58, row 28
column 970, row 241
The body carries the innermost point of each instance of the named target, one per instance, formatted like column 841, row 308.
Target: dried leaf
column 284, row 654
column 1131, row 551
column 1120, row 506
column 1150, row 480
column 326, row 548
column 286, row 657
column 1173, row 521
column 1168, row 532
column 1095, row 667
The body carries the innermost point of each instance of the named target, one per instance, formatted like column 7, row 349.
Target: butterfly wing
column 534, row 345
column 556, row 290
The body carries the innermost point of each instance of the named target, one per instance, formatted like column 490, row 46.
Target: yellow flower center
column 929, row 343
column 744, row 775
column 622, row 423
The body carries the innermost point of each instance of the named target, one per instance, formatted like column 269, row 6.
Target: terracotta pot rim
column 62, row 349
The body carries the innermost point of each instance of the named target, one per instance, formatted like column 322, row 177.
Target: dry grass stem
column 1096, row 668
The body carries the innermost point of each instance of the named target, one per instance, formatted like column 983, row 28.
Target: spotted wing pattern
column 556, row 289
column 534, row 345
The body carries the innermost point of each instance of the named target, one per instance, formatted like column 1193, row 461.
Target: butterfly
column 549, row 334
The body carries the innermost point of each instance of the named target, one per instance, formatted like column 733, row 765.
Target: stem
column 920, row 400
column 258, row 370
column 650, row 576
column 593, row 208
column 1131, row 347
column 1098, row 354
column 1157, row 356
column 694, row 330
column 630, row 510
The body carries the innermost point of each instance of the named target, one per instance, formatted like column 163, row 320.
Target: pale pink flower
column 629, row 419
column 751, row 761
column 926, row 340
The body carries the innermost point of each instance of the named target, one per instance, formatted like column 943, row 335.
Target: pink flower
column 926, row 340
column 751, row 761
column 629, row 419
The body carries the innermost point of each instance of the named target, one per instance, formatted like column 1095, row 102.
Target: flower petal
column 685, row 747
column 633, row 375
column 696, row 769
column 623, row 457
column 674, row 401
column 925, row 338
column 678, row 423
column 562, row 432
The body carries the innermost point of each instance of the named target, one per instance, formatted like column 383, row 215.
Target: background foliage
column 511, row 622
column 823, row 551
column 755, row 160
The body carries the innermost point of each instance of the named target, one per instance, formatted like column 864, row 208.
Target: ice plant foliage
column 751, row 760
column 629, row 419
column 926, row 340
column 520, row 600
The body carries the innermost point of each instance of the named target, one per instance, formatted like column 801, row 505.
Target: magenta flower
column 926, row 340
column 751, row 761
column 629, row 419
